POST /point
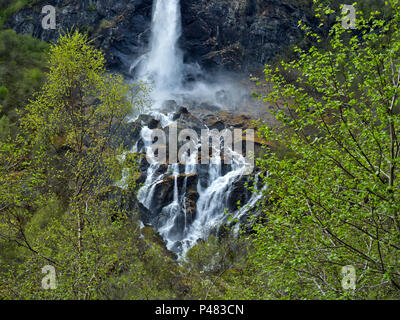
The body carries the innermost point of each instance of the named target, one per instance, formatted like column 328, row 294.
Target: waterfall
column 163, row 66
column 164, row 63
column 212, row 202
column 210, row 207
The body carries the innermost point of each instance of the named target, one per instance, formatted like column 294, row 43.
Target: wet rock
column 144, row 213
column 206, row 107
column 179, row 216
column 187, row 213
column 183, row 110
column 214, row 122
column 184, row 120
column 179, row 113
column 153, row 124
column 190, row 204
column 239, row 194
column 242, row 121
column 164, row 191
column 128, row 134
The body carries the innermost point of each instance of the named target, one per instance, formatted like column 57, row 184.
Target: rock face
column 239, row 35
column 121, row 27
column 219, row 34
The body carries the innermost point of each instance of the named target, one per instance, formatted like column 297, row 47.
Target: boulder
column 164, row 191
column 182, row 111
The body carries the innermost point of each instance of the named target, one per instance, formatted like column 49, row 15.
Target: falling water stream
column 163, row 65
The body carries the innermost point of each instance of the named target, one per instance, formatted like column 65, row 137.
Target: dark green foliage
column 9, row 7
column 22, row 66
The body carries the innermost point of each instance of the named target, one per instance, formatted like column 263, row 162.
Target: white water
column 163, row 66
column 212, row 203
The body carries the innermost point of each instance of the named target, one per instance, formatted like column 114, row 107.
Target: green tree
column 58, row 202
column 334, row 199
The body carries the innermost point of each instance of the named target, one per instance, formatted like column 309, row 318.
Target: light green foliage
column 335, row 201
column 5, row 127
column 217, row 268
column 57, row 199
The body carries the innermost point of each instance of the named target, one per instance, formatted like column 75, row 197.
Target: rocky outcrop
column 164, row 192
column 239, row 34
column 120, row 27
column 229, row 34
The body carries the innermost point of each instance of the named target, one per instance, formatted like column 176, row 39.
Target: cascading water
column 163, row 66
column 213, row 199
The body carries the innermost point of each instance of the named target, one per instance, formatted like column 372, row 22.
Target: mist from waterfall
column 164, row 69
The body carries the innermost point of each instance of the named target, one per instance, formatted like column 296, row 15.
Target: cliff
column 239, row 35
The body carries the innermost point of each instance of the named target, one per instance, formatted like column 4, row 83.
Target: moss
column 92, row 7
column 104, row 24
column 10, row 7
